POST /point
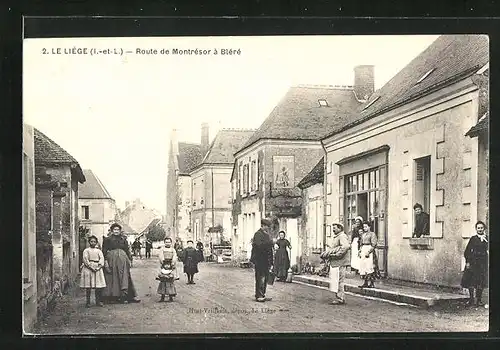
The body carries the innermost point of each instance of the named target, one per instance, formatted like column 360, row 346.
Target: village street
column 222, row 301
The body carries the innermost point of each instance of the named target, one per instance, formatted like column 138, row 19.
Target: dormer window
column 424, row 76
column 323, row 103
column 369, row 104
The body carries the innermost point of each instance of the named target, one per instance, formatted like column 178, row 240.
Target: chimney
column 127, row 204
column 204, row 138
column 364, row 82
column 174, row 143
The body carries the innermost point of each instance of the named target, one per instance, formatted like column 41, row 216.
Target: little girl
column 168, row 271
column 92, row 275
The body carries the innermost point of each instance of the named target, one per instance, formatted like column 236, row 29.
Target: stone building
column 57, row 175
column 29, row 267
column 183, row 157
column 313, row 237
column 283, row 151
column 211, row 187
column 97, row 207
column 138, row 216
column 408, row 145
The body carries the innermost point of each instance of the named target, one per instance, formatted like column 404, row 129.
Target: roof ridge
column 325, row 86
column 237, row 129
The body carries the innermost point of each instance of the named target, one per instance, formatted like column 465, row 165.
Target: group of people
column 137, row 246
column 358, row 251
column 107, row 271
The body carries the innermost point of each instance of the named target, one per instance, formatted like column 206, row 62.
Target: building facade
column 29, row 282
column 283, row 151
column 57, row 175
column 97, row 208
column 183, row 157
column 407, row 146
column 313, row 238
column 138, row 216
column 211, row 187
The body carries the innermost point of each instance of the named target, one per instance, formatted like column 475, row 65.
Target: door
column 365, row 196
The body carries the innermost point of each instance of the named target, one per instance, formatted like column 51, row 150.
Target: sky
column 114, row 113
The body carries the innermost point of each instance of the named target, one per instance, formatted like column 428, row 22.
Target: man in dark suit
column 262, row 258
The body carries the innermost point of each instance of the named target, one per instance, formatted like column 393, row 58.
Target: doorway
column 365, row 196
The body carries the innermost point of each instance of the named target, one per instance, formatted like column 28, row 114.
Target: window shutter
column 341, row 199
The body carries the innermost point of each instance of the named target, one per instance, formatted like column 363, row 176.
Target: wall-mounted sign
column 283, row 171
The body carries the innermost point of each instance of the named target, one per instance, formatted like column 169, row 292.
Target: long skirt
column 92, row 279
column 281, row 263
column 476, row 275
column 366, row 264
column 118, row 280
column 354, row 255
column 167, row 288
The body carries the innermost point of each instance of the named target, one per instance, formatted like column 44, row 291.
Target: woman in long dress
column 119, row 284
column 281, row 258
column 355, row 240
column 366, row 256
column 475, row 276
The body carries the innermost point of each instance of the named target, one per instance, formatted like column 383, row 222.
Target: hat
column 359, row 217
column 266, row 222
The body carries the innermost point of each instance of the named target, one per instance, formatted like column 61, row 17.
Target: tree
column 156, row 233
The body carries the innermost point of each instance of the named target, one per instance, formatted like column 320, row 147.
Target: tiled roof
column 315, row 176
column 49, row 152
column 189, row 157
column 481, row 126
column 225, row 144
column 299, row 116
column 93, row 188
column 450, row 57
column 152, row 224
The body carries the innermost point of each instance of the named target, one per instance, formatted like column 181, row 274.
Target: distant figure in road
column 136, row 246
column 168, row 271
column 199, row 248
column 262, row 258
column 475, row 275
column 366, row 252
column 92, row 276
column 281, row 258
column 339, row 257
column 149, row 246
column 190, row 258
column 355, row 243
column 118, row 261
column 421, row 221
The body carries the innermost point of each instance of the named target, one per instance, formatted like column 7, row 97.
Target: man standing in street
column 339, row 257
column 262, row 258
column 149, row 246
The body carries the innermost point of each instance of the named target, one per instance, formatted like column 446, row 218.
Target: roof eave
column 429, row 90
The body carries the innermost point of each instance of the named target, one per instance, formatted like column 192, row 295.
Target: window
column 323, row 103
column 85, row 212
column 422, row 183
column 329, row 167
column 424, row 76
column 369, row 104
column 254, row 175
column 328, row 209
column 329, row 188
column 246, row 178
column 240, row 178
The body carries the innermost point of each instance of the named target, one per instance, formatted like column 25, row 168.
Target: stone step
column 420, row 297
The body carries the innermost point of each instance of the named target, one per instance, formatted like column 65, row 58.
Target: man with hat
column 262, row 258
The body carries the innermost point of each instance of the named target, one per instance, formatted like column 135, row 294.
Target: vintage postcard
column 247, row 184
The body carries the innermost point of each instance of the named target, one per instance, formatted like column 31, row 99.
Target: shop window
column 421, row 193
column 85, row 212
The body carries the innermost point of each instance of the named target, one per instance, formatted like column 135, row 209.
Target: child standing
column 168, row 271
column 92, row 276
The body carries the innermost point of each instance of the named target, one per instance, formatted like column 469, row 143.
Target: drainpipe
column 325, row 164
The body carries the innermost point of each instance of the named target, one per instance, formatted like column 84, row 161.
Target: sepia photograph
column 255, row 184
